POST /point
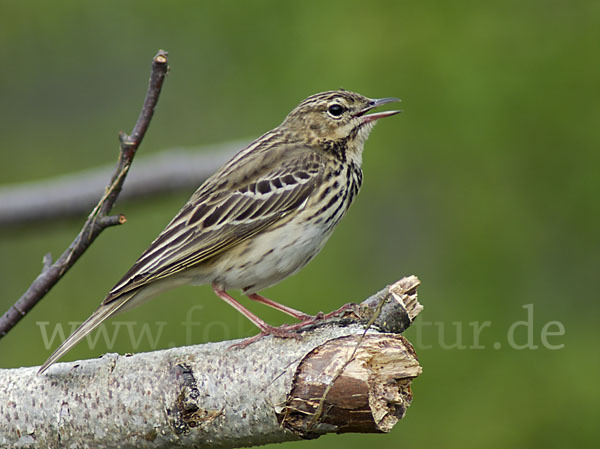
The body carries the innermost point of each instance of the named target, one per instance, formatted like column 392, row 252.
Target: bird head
column 336, row 116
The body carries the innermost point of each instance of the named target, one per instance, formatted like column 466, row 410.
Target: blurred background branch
column 72, row 195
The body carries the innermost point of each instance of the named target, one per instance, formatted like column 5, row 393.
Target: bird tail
column 103, row 312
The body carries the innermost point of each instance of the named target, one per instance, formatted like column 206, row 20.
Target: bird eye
column 335, row 110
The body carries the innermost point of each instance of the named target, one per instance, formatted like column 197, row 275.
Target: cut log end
column 351, row 384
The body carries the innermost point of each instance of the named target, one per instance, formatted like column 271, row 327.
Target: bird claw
column 245, row 342
column 284, row 331
column 291, row 330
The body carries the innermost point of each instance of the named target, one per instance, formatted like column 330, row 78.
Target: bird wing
column 236, row 203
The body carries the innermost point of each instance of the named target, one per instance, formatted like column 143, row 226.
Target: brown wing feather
column 221, row 215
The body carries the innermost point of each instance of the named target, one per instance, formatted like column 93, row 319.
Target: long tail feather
column 102, row 313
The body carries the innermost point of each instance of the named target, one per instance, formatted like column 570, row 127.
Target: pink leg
column 240, row 308
column 285, row 309
column 265, row 328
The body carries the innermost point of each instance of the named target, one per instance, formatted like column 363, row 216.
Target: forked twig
column 99, row 217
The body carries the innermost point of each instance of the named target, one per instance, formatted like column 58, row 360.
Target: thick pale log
column 343, row 375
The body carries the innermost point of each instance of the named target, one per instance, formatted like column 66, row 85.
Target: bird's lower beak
column 377, row 115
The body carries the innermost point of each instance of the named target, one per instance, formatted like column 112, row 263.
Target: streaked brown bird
column 261, row 217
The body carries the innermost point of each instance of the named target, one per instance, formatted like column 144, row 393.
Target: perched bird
column 261, row 217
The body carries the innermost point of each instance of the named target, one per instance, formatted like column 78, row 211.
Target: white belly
column 270, row 257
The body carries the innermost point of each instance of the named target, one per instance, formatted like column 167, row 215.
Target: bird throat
column 348, row 149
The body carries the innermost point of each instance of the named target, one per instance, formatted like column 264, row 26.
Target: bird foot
column 350, row 307
column 291, row 330
column 284, row 331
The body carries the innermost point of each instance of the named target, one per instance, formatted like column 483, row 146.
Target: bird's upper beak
column 377, row 115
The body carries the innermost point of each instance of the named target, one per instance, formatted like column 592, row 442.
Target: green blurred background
column 486, row 187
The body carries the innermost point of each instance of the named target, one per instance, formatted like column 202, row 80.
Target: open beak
column 377, row 115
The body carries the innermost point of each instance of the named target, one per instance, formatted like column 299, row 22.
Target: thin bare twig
column 99, row 218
